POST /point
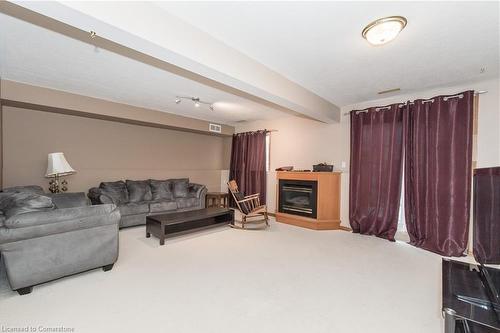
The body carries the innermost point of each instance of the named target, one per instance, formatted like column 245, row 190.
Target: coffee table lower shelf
column 166, row 224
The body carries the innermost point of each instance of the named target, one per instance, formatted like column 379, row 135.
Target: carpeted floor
column 284, row 279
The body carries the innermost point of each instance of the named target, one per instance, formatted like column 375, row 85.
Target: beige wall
column 19, row 94
column 302, row 142
column 102, row 150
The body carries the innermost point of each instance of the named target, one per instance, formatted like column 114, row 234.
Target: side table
column 217, row 199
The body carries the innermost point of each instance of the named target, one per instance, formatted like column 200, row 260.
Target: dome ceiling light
column 384, row 30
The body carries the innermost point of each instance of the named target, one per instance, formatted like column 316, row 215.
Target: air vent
column 215, row 128
column 388, row 91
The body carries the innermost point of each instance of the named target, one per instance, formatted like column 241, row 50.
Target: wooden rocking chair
column 249, row 206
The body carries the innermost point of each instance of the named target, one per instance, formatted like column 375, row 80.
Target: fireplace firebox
column 298, row 197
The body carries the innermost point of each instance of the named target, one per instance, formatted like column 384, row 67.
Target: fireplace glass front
column 298, row 197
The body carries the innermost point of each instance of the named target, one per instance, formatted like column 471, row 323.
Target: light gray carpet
column 284, row 279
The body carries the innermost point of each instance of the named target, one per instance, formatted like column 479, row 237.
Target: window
column 401, row 215
column 402, row 232
column 268, row 146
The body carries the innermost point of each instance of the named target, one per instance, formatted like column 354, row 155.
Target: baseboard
column 307, row 222
column 345, row 228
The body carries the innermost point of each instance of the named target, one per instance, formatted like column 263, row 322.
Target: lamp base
column 57, row 187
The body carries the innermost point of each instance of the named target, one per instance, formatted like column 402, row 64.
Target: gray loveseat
column 136, row 199
column 48, row 236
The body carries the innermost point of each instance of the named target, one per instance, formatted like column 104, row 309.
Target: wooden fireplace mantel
column 328, row 200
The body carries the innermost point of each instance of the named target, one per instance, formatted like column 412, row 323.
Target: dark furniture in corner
column 166, row 224
column 470, row 298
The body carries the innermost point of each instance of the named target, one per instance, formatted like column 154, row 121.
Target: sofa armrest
column 56, row 216
column 98, row 197
column 196, row 190
column 58, row 222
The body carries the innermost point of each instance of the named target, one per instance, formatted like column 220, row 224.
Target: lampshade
column 57, row 165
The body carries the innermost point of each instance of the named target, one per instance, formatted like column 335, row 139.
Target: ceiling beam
column 144, row 32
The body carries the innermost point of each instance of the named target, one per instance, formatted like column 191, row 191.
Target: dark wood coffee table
column 166, row 224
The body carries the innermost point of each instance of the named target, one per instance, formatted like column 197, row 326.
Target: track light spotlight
column 196, row 101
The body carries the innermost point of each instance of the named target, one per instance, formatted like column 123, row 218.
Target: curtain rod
column 424, row 101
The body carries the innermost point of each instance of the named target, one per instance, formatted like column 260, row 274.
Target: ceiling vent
column 216, row 128
column 388, row 91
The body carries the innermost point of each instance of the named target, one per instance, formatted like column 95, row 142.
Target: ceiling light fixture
column 196, row 100
column 384, row 30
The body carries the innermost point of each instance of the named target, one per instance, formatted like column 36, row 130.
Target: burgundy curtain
column 248, row 163
column 376, row 170
column 438, row 166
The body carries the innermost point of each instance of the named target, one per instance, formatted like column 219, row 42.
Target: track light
column 196, row 100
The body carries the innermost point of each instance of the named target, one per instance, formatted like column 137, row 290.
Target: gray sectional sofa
column 48, row 236
column 138, row 199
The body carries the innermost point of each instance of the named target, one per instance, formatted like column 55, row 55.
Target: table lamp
column 57, row 166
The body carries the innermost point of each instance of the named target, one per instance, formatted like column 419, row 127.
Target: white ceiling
column 34, row 55
column 319, row 45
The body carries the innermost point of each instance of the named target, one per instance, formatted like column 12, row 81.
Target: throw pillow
column 180, row 187
column 139, row 190
column 117, row 191
column 24, row 202
column 161, row 189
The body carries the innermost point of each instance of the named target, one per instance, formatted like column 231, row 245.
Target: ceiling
column 33, row 55
column 319, row 45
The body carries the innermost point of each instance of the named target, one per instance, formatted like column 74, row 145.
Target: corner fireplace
column 298, row 197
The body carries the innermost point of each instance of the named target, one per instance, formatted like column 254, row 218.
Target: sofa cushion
column 117, row 191
column 56, row 216
column 162, row 206
column 24, row 202
column 5, row 200
column 69, row 200
column 161, row 189
column 2, row 220
column 245, row 208
column 187, row 202
column 28, row 188
column 180, row 187
column 133, row 208
column 195, row 190
column 139, row 190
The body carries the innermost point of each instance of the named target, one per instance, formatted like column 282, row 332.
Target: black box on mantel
column 323, row 167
